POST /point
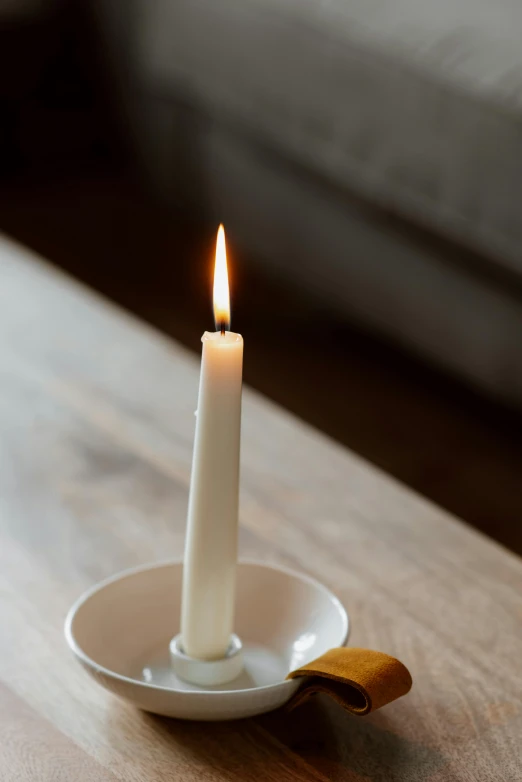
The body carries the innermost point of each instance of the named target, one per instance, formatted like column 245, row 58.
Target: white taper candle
column 207, row 611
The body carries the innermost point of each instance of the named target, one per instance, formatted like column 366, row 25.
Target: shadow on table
column 341, row 746
column 315, row 739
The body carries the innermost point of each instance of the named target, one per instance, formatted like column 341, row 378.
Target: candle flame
column 221, row 292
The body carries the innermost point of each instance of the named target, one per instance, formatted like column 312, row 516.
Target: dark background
column 70, row 188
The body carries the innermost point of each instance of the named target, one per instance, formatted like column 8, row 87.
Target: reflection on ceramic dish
column 120, row 632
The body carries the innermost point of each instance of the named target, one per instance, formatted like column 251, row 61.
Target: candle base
column 207, row 673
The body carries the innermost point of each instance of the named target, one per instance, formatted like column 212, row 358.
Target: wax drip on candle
column 221, row 291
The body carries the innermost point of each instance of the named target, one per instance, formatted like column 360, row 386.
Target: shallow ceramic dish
column 120, row 632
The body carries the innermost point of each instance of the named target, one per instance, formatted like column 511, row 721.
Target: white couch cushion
column 414, row 104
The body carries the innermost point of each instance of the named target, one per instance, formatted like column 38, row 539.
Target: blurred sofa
column 369, row 151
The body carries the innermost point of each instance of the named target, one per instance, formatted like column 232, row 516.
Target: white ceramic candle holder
column 122, row 632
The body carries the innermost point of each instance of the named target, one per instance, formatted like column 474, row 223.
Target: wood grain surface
column 96, row 428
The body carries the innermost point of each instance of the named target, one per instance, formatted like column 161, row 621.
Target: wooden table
column 96, row 427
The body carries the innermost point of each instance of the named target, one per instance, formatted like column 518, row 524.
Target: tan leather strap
column 361, row 680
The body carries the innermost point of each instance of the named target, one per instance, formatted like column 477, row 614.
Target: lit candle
column 207, row 611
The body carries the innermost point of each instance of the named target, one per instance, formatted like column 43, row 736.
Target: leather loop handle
column 361, row 680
